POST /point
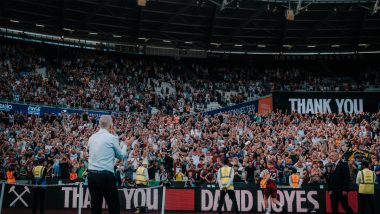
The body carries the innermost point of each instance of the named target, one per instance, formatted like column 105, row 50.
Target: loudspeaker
column 141, row 3
column 290, row 15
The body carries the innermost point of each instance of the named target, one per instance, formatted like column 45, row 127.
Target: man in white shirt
column 103, row 148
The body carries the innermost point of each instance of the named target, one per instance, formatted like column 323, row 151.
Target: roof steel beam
column 188, row 5
column 261, row 10
column 211, row 26
column 375, row 7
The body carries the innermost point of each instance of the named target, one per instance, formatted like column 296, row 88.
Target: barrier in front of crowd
column 33, row 109
column 76, row 196
column 301, row 102
column 42, row 109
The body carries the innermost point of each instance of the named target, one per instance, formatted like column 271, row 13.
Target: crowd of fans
column 81, row 79
column 109, row 81
column 192, row 148
column 178, row 146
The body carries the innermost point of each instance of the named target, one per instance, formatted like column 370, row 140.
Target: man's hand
column 344, row 194
column 112, row 130
column 129, row 140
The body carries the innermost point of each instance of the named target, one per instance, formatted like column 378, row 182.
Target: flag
column 350, row 154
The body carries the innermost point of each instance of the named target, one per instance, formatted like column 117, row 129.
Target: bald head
column 105, row 122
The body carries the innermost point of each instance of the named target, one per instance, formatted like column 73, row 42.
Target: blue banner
column 246, row 107
column 41, row 110
column 241, row 108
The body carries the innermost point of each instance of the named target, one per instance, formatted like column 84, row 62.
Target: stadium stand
column 88, row 79
column 198, row 85
column 97, row 80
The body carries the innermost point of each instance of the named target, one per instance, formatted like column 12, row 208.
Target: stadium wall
column 181, row 199
column 41, row 110
column 301, row 102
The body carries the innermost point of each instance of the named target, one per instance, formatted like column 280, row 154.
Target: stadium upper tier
column 110, row 81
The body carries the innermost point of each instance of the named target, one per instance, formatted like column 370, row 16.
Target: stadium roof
column 235, row 25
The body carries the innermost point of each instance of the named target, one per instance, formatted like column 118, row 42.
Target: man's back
column 103, row 148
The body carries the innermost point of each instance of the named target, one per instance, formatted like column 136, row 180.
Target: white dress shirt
column 103, row 148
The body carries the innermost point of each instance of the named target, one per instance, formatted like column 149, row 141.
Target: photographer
column 128, row 171
column 250, row 172
column 237, row 174
column 163, row 176
column 190, row 182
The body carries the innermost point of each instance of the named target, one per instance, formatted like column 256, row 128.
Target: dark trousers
column 103, row 185
column 231, row 194
column 38, row 194
column 366, row 203
column 337, row 197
